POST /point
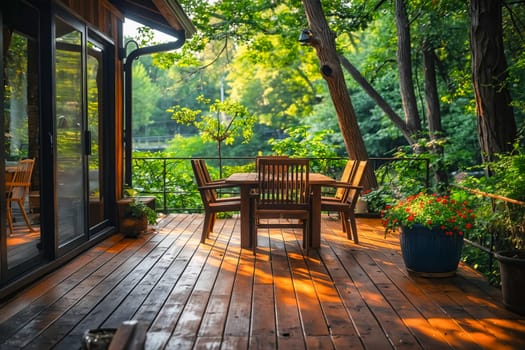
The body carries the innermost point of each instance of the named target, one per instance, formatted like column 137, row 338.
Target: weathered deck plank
column 219, row 296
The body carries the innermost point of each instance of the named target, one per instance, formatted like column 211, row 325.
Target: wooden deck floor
column 217, row 296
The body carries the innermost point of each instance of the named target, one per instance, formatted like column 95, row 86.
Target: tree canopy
column 248, row 51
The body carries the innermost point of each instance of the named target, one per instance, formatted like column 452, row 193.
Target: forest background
column 248, row 52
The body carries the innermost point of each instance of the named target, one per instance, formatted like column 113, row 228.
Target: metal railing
column 502, row 217
column 170, row 179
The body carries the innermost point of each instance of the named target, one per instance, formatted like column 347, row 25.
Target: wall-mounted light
column 305, row 37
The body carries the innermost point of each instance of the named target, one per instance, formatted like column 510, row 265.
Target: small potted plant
column 507, row 224
column 136, row 216
column 431, row 231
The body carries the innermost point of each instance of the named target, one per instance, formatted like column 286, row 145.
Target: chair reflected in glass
column 210, row 199
column 17, row 189
column 283, row 193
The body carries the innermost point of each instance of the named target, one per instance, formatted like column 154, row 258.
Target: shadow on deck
column 216, row 295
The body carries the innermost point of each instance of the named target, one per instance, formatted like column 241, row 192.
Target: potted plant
column 136, row 217
column 508, row 226
column 431, row 231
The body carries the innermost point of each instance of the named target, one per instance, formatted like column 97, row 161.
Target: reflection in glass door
column 69, row 121
column 21, row 145
column 95, row 111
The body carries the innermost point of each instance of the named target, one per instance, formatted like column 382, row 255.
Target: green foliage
column 191, row 146
column 451, row 214
column 403, row 176
column 504, row 219
column 378, row 199
column 145, row 96
column 304, row 143
column 250, row 49
column 151, row 178
column 480, row 261
column 507, row 175
column 226, row 121
column 138, row 209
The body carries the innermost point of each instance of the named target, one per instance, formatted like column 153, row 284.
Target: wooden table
column 247, row 181
column 10, row 171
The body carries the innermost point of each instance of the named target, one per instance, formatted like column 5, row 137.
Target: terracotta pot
column 430, row 252
column 132, row 226
column 512, row 270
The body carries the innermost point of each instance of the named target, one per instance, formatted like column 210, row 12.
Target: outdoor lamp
column 305, row 37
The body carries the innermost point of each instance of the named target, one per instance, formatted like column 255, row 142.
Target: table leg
column 246, row 231
column 315, row 218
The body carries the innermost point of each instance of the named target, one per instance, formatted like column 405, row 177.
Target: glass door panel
column 22, row 120
column 95, row 111
column 70, row 183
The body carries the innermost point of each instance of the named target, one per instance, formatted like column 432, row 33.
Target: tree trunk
column 323, row 40
column 431, row 94
column 434, row 114
column 374, row 95
column 496, row 123
column 404, row 63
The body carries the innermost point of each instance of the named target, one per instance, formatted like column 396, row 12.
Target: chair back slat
column 283, row 183
column 258, row 158
column 347, row 175
column 352, row 194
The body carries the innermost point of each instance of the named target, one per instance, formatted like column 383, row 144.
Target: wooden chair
column 258, row 158
column 208, row 191
column 345, row 205
column 18, row 189
column 283, row 192
column 346, row 176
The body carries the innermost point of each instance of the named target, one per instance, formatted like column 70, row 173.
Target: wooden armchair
column 346, row 176
column 283, row 192
column 18, row 189
column 345, row 204
column 208, row 191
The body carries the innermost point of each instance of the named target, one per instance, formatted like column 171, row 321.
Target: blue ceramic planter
column 430, row 251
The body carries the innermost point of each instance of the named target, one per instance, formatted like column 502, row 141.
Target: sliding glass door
column 70, row 129
column 81, row 87
column 58, row 79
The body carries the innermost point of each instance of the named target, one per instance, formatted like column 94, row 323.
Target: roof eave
column 175, row 16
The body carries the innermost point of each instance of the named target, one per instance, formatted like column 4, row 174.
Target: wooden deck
column 217, row 296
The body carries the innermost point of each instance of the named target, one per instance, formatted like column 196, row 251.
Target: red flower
column 432, row 211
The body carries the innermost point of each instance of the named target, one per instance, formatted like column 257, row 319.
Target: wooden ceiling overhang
column 166, row 16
